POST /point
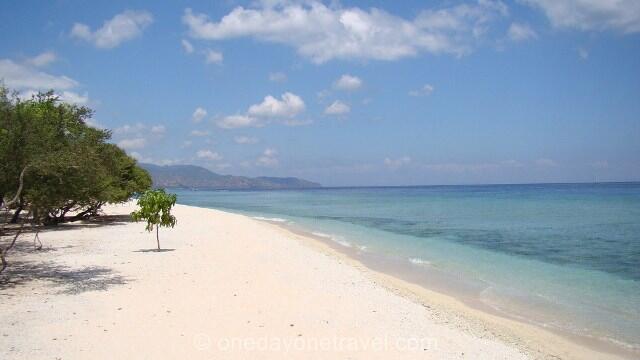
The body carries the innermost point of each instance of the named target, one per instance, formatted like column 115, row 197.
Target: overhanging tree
column 53, row 163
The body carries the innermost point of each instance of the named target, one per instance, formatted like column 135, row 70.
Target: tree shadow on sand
column 98, row 221
column 153, row 250
column 70, row 280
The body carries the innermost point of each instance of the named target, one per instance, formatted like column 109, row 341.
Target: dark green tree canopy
column 70, row 165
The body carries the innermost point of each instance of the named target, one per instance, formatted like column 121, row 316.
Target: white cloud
column 208, row 155
column 348, row 82
column 546, row 162
column 396, row 163
column 130, row 144
column 187, row 144
column 521, row 32
column 66, row 96
column 187, row 46
column 71, row 97
column 618, row 15
column 238, row 121
column 337, row 108
column 245, row 140
column 282, row 110
column 426, row 90
column 19, row 76
column 199, row 133
column 28, row 80
column 125, row 129
column 277, row 77
column 268, row 158
column 290, row 105
column 213, row 57
column 122, row 27
column 323, row 33
column 158, row 129
column 198, row 114
column 42, row 59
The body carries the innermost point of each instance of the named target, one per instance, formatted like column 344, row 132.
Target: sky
column 347, row 92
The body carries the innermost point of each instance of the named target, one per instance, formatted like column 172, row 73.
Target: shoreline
column 99, row 291
column 517, row 331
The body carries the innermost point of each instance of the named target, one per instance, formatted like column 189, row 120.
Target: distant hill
column 197, row 177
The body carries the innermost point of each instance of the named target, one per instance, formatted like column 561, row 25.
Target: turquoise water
column 564, row 256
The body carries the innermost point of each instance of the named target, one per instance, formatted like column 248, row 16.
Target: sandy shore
column 231, row 287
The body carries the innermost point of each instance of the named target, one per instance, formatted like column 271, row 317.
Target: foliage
column 70, row 165
column 155, row 208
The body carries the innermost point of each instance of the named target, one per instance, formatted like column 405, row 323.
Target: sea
column 561, row 256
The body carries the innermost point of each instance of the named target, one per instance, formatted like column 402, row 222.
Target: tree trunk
column 157, row 237
column 5, row 250
column 16, row 215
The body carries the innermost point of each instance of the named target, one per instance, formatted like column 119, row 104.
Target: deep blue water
column 571, row 251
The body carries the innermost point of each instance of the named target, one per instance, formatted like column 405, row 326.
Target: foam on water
column 272, row 219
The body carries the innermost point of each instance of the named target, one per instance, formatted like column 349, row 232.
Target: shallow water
column 560, row 255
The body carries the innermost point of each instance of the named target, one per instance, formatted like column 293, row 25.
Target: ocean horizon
column 563, row 256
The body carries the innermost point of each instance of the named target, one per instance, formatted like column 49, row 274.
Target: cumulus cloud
column 134, row 143
column 282, row 110
column 396, row 163
column 425, row 90
column 322, row 33
column 43, row 59
column 27, row 79
column 199, row 133
column 122, row 27
column 348, row 82
column 617, row 15
column 158, row 129
column 277, row 77
column 239, row 121
column 245, row 140
column 521, row 32
column 268, row 158
column 187, row 46
column 71, row 97
column 20, row 76
column 213, row 57
column 288, row 106
column 198, row 114
column 128, row 129
column 208, row 155
column 337, row 108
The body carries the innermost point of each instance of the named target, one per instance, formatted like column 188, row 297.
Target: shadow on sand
column 70, row 280
column 154, row 250
column 98, row 221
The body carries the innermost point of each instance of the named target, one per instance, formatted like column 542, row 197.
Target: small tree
column 155, row 208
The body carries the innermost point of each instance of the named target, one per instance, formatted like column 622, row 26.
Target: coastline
column 98, row 292
column 531, row 338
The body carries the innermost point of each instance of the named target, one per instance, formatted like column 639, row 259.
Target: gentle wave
column 333, row 238
column 418, row 261
column 274, row 219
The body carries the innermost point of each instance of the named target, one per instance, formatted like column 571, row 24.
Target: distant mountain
column 197, row 177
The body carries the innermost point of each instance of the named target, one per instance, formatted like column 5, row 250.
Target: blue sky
column 348, row 92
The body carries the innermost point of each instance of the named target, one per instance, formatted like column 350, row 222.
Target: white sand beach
column 232, row 287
